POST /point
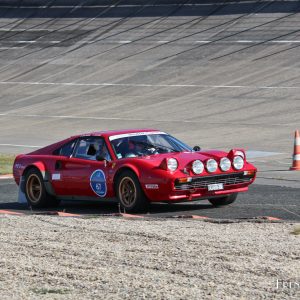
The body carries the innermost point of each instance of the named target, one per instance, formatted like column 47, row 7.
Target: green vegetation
column 6, row 163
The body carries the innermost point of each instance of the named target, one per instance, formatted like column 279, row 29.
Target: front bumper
column 197, row 187
column 195, row 195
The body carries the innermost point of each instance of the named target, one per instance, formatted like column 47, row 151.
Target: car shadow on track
column 107, row 208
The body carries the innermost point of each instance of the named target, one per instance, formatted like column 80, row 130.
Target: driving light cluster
column 211, row 165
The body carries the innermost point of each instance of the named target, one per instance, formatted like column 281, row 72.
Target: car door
column 81, row 175
column 61, row 159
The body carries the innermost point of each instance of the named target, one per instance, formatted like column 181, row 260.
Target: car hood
column 183, row 158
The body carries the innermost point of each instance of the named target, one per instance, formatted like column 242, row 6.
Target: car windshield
column 143, row 144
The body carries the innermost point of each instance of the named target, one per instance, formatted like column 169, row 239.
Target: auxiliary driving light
column 197, row 167
column 172, row 164
column 211, row 165
column 238, row 162
column 225, row 164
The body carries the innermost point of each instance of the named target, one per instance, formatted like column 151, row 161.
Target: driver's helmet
column 137, row 142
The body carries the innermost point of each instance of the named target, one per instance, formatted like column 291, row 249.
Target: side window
column 89, row 148
column 81, row 150
column 105, row 153
column 66, row 150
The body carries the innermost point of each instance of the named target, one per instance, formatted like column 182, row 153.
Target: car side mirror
column 100, row 158
column 197, row 148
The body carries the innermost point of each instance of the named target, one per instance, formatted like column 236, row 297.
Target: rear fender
column 45, row 174
column 38, row 165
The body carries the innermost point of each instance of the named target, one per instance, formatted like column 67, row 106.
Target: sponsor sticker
column 151, row 186
column 19, row 166
column 118, row 136
column 56, row 176
column 98, row 183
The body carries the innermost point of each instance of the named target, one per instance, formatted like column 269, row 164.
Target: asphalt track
column 220, row 74
column 260, row 201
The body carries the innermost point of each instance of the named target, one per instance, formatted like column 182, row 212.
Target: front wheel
column 130, row 194
column 35, row 191
column 223, row 200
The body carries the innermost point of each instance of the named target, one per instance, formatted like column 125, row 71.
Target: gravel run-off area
column 47, row 257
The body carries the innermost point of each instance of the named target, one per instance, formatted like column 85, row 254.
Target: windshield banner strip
column 114, row 137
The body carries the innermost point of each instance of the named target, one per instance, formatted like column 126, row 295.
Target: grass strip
column 6, row 163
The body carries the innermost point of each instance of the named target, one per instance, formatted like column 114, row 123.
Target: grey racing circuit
column 260, row 201
column 219, row 74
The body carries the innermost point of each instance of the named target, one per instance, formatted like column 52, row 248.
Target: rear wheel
column 223, row 200
column 35, row 190
column 130, row 194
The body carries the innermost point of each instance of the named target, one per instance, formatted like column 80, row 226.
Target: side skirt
column 83, row 198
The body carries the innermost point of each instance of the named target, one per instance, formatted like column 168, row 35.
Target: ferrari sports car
column 135, row 167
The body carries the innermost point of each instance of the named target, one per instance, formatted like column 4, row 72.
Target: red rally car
column 134, row 166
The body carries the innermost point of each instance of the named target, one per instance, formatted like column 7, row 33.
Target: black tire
column 223, row 200
column 130, row 194
column 35, row 191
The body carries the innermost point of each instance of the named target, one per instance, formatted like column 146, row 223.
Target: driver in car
column 139, row 146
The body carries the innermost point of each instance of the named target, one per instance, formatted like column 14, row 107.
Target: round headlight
column 197, row 167
column 172, row 164
column 225, row 164
column 238, row 162
column 211, row 165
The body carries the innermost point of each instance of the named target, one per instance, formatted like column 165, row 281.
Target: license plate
column 215, row 187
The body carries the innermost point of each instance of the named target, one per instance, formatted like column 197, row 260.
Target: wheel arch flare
column 41, row 167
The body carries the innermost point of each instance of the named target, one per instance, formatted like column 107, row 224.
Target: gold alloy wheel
column 127, row 191
column 34, row 188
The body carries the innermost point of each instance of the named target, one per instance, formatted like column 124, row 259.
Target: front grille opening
column 203, row 182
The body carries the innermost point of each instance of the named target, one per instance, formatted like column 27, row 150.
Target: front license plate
column 215, row 187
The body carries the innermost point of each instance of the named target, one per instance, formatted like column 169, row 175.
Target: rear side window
column 90, row 147
column 66, row 149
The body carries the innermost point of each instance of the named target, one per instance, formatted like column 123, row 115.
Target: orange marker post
column 296, row 156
